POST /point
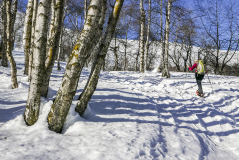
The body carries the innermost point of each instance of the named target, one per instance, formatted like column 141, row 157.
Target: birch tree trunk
column 98, row 38
column 142, row 22
column 116, row 56
column 137, row 56
column 165, row 72
column 125, row 50
column 27, row 33
column 38, row 66
column 162, row 38
column 32, row 38
column 85, row 9
column 66, row 92
column 99, row 61
column 60, row 41
column 9, row 45
column 53, row 3
column 13, row 19
column 60, row 48
column 53, row 44
column 59, row 53
column 4, row 55
column 4, row 36
column 147, row 39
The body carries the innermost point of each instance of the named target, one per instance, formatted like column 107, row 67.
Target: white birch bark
column 53, row 44
column 13, row 19
column 66, row 92
column 4, row 36
column 9, row 45
column 98, row 38
column 59, row 52
column 85, row 9
column 53, row 3
column 13, row 13
column 161, row 39
column 116, row 56
column 32, row 38
column 100, row 58
column 147, row 39
column 27, row 34
column 60, row 42
column 165, row 72
column 125, row 47
column 38, row 66
column 142, row 23
column 137, row 56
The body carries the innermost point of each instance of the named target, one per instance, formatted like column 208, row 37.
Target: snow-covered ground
column 155, row 49
column 130, row 116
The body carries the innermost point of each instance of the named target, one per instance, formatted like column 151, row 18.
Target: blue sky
column 190, row 5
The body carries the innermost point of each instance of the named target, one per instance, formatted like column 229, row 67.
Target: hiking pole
column 210, row 83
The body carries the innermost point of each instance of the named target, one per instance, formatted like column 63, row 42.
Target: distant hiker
column 199, row 75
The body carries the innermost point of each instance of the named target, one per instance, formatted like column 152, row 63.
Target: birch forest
column 111, row 35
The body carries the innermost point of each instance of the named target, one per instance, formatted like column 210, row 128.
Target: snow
column 130, row 116
column 155, row 49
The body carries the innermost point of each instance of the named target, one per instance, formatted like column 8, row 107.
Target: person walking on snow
column 199, row 75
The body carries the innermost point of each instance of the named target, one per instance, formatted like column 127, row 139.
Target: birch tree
column 142, row 23
column 38, row 66
column 27, row 33
column 4, row 36
column 35, row 6
column 53, row 3
column 138, row 53
column 165, row 72
column 12, row 22
column 66, row 92
column 147, row 39
column 161, row 38
column 9, row 44
column 85, row 9
column 116, row 55
column 100, row 58
column 53, row 44
column 60, row 42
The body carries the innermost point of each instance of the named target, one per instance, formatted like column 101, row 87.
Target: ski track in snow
column 200, row 117
column 130, row 116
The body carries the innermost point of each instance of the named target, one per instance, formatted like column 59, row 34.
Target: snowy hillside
column 130, row 116
column 155, row 49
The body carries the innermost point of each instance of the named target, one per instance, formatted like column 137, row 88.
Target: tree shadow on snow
column 9, row 113
column 123, row 104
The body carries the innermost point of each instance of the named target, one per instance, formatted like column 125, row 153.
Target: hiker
column 199, row 75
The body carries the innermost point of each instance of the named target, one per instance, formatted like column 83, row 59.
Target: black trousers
column 199, row 82
column 199, row 78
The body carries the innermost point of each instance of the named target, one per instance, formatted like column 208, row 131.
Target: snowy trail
column 130, row 116
column 205, row 121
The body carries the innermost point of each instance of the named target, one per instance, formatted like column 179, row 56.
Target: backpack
column 201, row 68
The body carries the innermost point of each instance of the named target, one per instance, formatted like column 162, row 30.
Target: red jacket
column 194, row 66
